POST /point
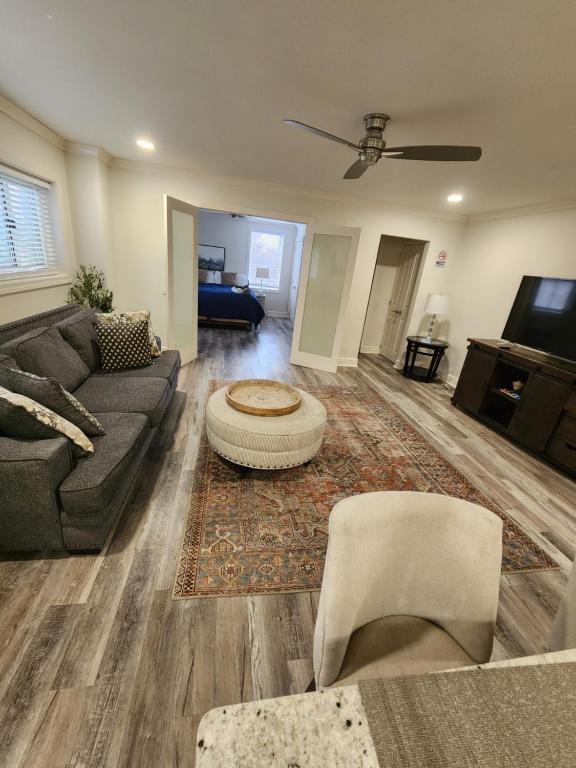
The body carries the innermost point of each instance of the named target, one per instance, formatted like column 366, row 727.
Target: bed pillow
column 48, row 391
column 23, row 418
column 44, row 352
column 214, row 277
column 119, row 318
column 202, row 275
column 124, row 345
column 242, row 281
column 229, row 278
column 79, row 331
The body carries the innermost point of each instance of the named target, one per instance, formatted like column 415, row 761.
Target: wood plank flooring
column 100, row 667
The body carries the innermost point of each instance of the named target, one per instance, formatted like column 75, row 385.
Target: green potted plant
column 89, row 289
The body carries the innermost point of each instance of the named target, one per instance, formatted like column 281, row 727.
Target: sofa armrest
column 30, row 473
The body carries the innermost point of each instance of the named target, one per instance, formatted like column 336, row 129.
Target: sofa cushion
column 49, row 392
column 8, row 362
column 115, row 394
column 79, row 331
column 164, row 367
column 44, row 352
column 22, row 417
column 94, row 482
column 124, row 345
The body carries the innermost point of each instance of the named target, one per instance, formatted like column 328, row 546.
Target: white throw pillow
column 22, row 417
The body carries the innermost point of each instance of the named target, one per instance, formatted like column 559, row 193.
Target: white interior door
column 328, row 259
column 182, row 251
column 397, row 314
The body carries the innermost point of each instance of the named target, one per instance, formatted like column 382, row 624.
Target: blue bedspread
column 218, row 301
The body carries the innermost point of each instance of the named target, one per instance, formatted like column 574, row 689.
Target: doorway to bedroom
column 396, row 274
column 248, row 269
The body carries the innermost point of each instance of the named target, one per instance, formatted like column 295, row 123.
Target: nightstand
column 261, row 299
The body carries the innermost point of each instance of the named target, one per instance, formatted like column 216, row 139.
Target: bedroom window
column 26, row 231
column 266, row 249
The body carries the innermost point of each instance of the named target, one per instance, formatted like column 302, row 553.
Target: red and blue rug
column 252, row 532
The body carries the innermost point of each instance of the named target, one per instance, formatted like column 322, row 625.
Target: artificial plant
column 89, row 289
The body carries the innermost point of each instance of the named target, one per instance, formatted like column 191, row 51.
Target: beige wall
column 28, row 146
column 136, row 197
column 494, row 257
column 87, row 170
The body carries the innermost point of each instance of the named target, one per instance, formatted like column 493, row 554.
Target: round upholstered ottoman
column 265, row 442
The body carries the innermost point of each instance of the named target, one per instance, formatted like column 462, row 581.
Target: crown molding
column 89, row 150
column 33, row 124
column 308, row 192
column 525, row 210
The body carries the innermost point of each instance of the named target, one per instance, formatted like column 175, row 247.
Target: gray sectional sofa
column 49, row 500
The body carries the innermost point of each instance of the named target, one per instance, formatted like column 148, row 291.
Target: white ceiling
column 210, row 81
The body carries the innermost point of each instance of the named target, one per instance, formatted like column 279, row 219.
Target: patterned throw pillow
column 22, row 417
column 49, row 392
column 118, row 318
column 229, row 278
column 124, row 345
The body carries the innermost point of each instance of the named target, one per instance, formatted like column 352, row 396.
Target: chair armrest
column 30, row 473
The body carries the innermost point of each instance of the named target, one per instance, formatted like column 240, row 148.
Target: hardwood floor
column 100, row 667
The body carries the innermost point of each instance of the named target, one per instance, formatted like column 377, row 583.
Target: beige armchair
column 564, row 628
column 410, row 586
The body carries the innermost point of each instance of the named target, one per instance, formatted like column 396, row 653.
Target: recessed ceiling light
column 455, row 197
column 145, row 144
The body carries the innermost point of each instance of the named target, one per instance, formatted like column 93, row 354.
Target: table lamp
column 263, row 273
column 436, row 304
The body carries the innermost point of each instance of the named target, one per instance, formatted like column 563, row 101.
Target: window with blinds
column 26, row 236
column 266, row 249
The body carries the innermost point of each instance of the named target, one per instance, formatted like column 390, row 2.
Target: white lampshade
column 437, row 304
column 263, row 273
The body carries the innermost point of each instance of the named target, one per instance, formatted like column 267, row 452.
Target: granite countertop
column 309, row 730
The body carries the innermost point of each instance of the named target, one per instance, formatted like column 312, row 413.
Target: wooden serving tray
column 263, row 397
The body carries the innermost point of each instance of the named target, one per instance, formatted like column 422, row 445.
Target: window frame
column 265, row 229
column 49, row 275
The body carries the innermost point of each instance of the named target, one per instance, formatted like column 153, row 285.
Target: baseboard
column 368, row 349
column 348, row 362
column 276, row 313
column 450, row 380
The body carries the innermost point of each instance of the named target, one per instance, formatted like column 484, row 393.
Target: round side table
column 431, row 348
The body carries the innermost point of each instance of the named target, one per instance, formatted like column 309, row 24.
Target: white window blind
column 26, row 236
column 266, row 249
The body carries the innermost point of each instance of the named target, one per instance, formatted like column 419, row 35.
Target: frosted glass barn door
column 182, row 250
column 327, row 265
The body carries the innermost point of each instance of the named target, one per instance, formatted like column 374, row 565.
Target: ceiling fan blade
column 433, row 152
column 319, row 132
column 358, row 168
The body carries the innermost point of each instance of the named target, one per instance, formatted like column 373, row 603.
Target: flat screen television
column 543, row 316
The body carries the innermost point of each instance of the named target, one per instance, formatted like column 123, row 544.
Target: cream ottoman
column 265, row 442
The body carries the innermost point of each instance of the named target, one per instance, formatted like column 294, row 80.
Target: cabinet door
column 538, row 411
column 474, row 379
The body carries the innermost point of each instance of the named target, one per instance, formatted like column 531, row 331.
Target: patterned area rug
column 256, row 532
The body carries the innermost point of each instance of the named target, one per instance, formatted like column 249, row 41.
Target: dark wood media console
column 543, row 417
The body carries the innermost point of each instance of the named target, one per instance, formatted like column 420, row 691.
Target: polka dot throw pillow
column 124, row 345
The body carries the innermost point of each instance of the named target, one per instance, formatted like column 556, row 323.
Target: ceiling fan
column 372, row 147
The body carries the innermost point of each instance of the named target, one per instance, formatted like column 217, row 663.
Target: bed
column 218, row 304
